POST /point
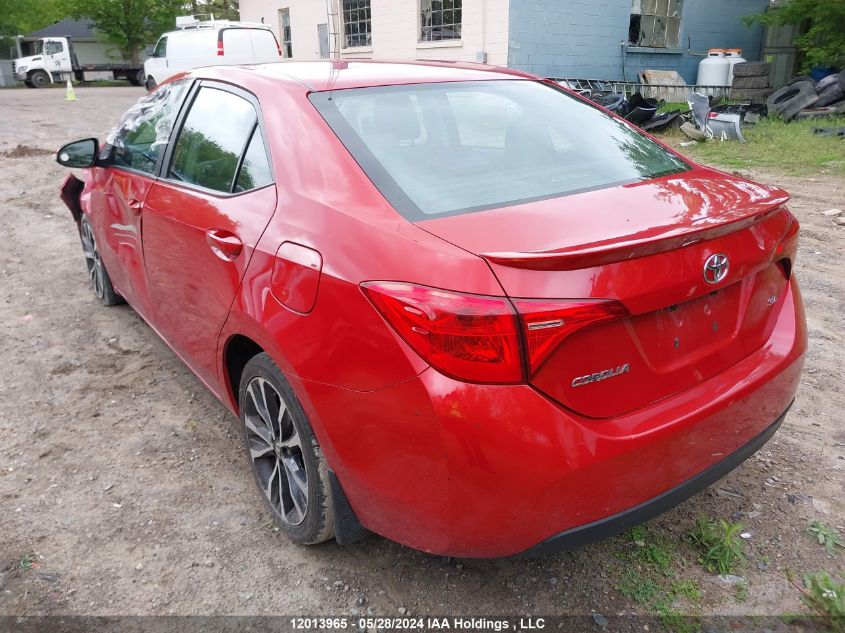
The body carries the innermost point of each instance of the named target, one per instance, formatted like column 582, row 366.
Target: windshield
column 447, row 148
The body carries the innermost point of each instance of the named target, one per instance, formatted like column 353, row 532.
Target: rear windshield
column 449, row 148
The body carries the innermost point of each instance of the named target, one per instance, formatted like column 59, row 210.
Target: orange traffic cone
column 70, row 95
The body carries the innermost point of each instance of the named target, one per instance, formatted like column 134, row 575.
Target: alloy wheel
column 275, row 447
column 92, row 260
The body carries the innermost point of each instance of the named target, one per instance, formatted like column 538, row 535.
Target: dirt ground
column 124, row 489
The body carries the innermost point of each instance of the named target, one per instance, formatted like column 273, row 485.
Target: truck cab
column 52, row 58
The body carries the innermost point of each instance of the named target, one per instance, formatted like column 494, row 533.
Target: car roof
column 323, row 75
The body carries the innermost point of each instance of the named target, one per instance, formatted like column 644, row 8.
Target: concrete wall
column 394, row 29
column 581, row 38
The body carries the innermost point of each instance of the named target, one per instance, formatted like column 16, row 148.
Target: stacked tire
column 803, row 97
column 751, row 81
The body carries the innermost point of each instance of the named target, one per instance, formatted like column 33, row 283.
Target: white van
column 209, row 43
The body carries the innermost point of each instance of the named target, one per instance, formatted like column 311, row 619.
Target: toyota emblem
column 715, row 268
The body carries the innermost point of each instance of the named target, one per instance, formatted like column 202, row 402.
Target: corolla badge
column 580, row 381
column 716, row 268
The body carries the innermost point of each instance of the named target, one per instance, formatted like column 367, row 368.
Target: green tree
column 128, row 24
column 220, row 9
column 823, row 43
column 20, row 17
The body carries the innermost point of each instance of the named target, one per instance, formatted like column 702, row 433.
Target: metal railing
column 671, row 93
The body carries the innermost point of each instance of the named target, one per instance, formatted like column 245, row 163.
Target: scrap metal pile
column 803, row 97
column 639, row 110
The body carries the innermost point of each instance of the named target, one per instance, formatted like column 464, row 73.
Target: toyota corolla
column 455, row 305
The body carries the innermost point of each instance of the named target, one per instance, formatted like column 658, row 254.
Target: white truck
column 55, row 59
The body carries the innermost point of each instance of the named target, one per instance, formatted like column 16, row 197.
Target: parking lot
column 124, row 488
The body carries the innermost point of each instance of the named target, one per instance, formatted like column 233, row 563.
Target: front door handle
column 224, row 244
column 136, row 206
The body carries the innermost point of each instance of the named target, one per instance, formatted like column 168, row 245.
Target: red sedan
column 455, row 305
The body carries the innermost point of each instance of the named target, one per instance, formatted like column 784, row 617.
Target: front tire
column 150, row 83
column 286, row 460
column 39, row 79
column 97, row 273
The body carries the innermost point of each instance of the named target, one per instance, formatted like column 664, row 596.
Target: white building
column 466, row 30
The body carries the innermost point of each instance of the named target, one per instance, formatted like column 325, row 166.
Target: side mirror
column 150, row 51
column 79, row 153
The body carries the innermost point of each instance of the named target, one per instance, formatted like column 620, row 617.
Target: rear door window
column 255, row 170
column 212, row 140
column 237, row 47
column 264, row 45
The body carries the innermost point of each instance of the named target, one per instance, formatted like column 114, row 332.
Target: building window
column 655, row 23
column 284, row 31
column 440, row 20
column 356, row 23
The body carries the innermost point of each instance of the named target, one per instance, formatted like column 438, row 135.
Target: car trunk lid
column 643, row 247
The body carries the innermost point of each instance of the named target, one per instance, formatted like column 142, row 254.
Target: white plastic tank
column 734, row 57
column 713, row 70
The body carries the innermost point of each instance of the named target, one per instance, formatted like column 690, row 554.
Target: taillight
column 220, row 46
column 469, row 337
column 278, row 47
column 546, row 323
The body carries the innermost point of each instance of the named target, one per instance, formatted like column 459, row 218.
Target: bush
column 824, row 42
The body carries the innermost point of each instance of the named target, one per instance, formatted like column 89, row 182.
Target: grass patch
column 774, row 145
column 649, row 579
column 651, row 548
column 741, row 591
column 669, row 106
column 720, row 545
column 826, row 535
column 27, row 561
column 825, row 598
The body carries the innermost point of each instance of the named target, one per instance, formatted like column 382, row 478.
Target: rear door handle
column 224, row 244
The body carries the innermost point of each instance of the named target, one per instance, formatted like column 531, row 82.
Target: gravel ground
column 124, row 490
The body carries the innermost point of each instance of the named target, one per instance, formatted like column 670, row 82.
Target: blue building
column 616, row 39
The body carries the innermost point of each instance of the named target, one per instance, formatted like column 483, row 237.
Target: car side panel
column 192, row 288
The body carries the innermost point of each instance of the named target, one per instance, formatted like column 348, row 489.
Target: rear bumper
column 610, row 526
column 499, row 470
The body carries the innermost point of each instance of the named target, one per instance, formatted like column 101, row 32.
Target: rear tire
column 286, row 460
column 829, row 95
column 751, row 69
column 136, row 78
column 751, row 94
column 790, row 100
column 40, row 79
column 761, row 81
column 96, row 269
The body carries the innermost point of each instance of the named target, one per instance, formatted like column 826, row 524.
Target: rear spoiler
column 599, row 253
